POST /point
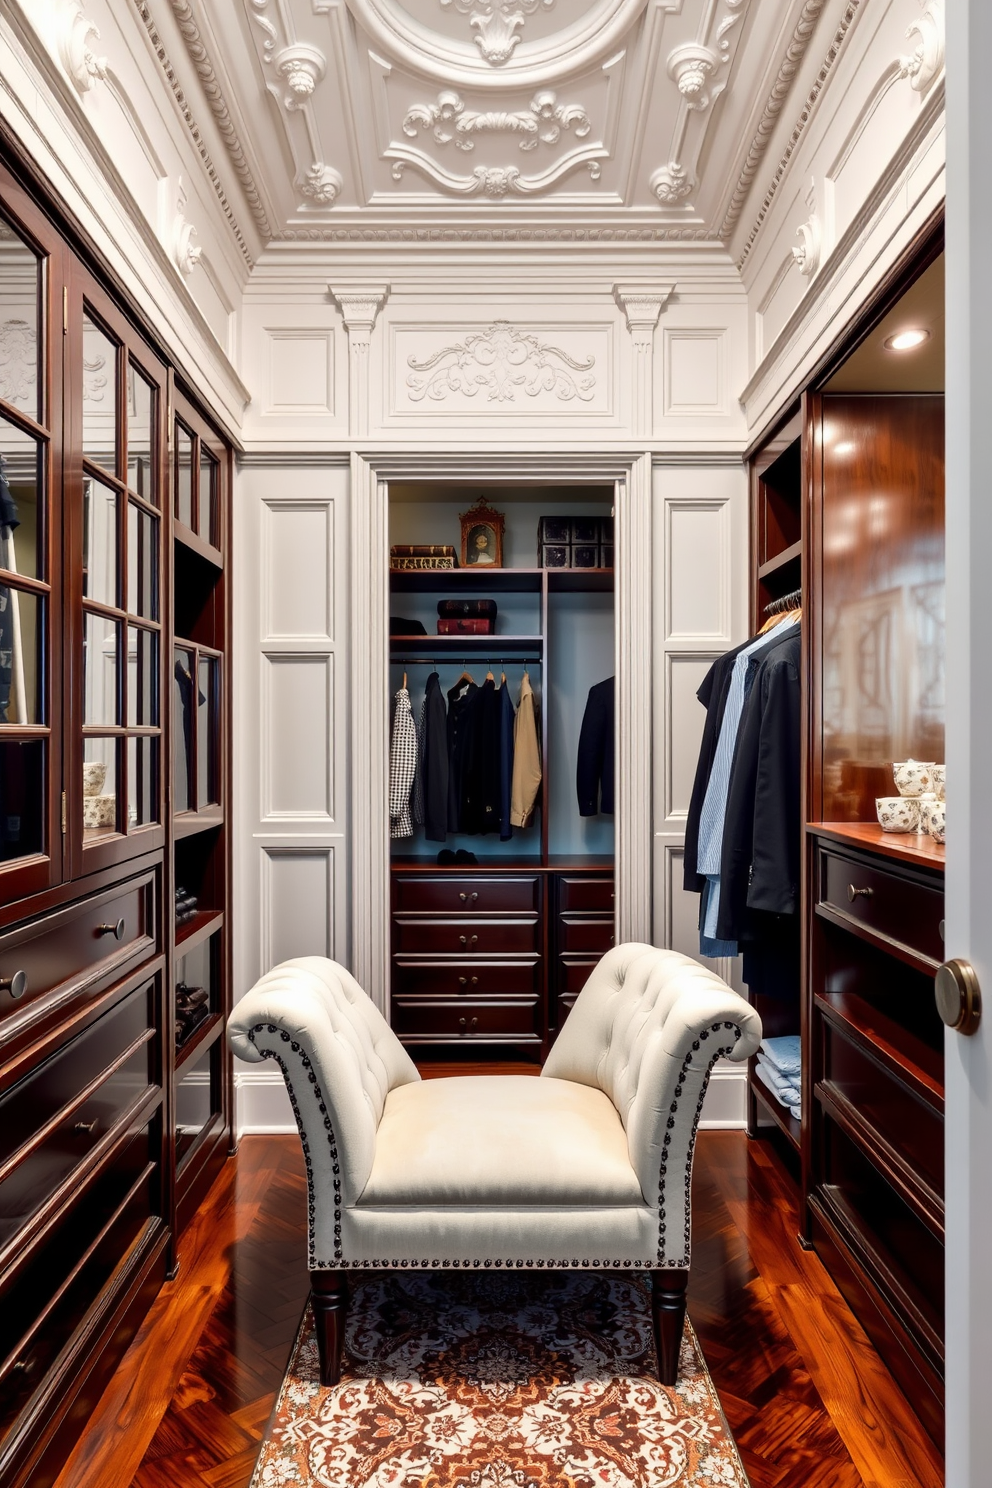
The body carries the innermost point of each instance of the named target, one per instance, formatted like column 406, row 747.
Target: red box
column 467, row 625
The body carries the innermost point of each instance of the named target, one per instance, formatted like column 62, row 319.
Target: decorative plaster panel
column 297, row 707
column 698, row 560
column 501, row 369
column 299, row 576
column 695, row 372
column 300, row 371
column 297, row 917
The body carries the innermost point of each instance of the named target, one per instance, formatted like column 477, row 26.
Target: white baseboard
column 261, row 1105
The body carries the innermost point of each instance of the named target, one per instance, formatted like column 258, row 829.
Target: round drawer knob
column 468, row 940
column 958, row 996
column 116, row 930
column 16, row 985
column 853, row 893
column 468, row 898
column 464, row 981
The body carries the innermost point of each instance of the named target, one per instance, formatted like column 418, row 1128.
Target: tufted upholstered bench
column 590, row 1165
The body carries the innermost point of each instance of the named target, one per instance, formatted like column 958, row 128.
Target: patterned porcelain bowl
column 94, row 774
column 898, row 813
column 912, row 777
column 937, row 777
column 99, row 811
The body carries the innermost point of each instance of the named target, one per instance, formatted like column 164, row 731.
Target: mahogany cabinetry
column 103, row 1149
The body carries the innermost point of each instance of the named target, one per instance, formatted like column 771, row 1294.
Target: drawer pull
column 468, row 940
column 85, row 1126
column 464, row 981
column 468, row 898
column 117, row 930
column 853, row 893
column 16, row 985
column 467, row 1025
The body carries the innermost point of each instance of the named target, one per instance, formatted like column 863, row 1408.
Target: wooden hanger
column 404, row 681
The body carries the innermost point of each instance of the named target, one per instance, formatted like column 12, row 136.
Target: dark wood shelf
column 466, row 580
column 899, row 1051
column 580, row 580
column 203, row 924
column 185, row 537
column 792, row 554
column 495, row 646
column 206, row 1034
column 783, row 1119
column 189, row 823
column 905, row 847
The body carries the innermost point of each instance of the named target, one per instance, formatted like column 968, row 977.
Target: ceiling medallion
column 448, row 120
column 497, row 23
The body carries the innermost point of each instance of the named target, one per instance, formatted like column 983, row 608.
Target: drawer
column 54, row 1118
column 574, row 972
column 446, row 1021
column 586, row 894
column 576, row 933
column 465, row 937
column 471, row 894
column 55, row 960
column 895, row 908
column 911, row 1127
column 437, row 979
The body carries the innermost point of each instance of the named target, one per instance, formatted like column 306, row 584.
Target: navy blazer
column 595, row 766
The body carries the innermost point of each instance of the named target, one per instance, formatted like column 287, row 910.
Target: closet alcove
column 487, row 956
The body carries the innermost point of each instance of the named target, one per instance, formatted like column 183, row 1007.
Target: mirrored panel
column 208, row 710
column 142, row 677
column 99, row 542
column 20, row 488
column 20, row 283
column 99, row 788
column 209, row 525
column 182, row 731
column 99, row 397
column 21, row 671
column 22, row 798
column 101, row 643
column 142, row 563
column 140, row 434
column 142, row 781
column 184, row 475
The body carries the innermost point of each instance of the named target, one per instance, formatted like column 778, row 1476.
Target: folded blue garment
column 786, row 1089
column 784, row 1053
column 795, row 1110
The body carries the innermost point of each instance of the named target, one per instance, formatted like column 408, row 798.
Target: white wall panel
column 297, row 700
column 298, row 552
column 297, row 903
column 698, row 566
column 696, row 372
column 301, row 371
column 685, row 726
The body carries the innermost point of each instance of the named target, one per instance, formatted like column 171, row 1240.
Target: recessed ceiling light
column 906, row 340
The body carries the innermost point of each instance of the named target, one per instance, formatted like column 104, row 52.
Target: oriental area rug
column 543, row 1380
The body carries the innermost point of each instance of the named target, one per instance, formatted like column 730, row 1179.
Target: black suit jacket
column 759, row 867
column 713, row 696
column 595, row 766
column 435, row 762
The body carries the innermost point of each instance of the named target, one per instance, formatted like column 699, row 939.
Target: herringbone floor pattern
column 808, row 1401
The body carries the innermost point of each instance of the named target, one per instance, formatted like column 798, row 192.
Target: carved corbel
column 302, row 68
column 927, row 59
column 359, row 306
column 184, row 255
column 322, row 184
column 671, row 184
column 75, row 30
column 807, row 255
column 642, row 305
column 690, row 68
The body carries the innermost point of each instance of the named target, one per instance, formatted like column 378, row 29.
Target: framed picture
column 482, row 536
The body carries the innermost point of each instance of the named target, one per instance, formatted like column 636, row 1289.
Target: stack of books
column 407, row 556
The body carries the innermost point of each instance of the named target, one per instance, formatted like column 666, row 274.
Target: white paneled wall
column 700, row 562
column 291, row 746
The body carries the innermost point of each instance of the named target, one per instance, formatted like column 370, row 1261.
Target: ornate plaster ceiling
column 414, row 118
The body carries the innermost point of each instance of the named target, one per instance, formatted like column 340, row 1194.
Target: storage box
column 451, row 609
column 575, row 542
column 467, row 625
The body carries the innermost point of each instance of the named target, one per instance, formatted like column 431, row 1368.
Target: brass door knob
column 958, row 996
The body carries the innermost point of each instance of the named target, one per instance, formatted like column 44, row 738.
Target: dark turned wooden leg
column 329, row 1300
column 668, row 1310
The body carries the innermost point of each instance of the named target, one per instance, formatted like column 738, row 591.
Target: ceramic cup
column 926, row 804
column 94, row 774
column 898, row 813
column 99, row 811
column 912, row 777
column 937, row 821
column 937, row 778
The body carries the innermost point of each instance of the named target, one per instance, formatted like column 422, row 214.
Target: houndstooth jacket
column 402, row 766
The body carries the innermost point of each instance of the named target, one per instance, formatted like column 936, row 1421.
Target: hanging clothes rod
column 465, row 661
column 787, row 602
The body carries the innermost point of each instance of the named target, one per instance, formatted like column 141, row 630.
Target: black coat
column 759, row 867
column 481, row 781
column 459, row 706
column 434, row 761
column 595, row 766
column 713, row 696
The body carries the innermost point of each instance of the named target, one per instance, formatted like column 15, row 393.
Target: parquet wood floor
column 808, row 1400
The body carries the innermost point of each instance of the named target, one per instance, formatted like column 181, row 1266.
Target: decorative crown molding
column 642, row 304
column 846, row 21
column 302, row 67
column 501, row 360
column 498, row 23
column 448, row 119
column 552, row 233
column 184, row 255
column 179, row 94
column 927, row 59
column 671, row 183
column 75, row 30
column 782, row 86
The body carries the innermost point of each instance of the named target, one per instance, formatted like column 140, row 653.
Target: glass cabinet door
column 116, row 487
column 30, row 607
